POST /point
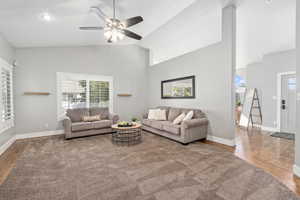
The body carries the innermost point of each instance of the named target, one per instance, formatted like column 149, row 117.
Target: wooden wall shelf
column 124, row 95
column 37, row 93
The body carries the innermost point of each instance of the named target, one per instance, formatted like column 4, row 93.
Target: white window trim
column 89, row 77
column 9, row 123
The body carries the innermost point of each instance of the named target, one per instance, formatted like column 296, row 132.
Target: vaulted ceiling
column 21, row 24
column 261, row 27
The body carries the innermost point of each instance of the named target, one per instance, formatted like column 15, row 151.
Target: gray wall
column 7, row 52
column 263, row 76
column 213, row 67
column 36, row 71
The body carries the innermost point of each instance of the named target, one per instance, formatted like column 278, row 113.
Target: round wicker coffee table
column 127, row 135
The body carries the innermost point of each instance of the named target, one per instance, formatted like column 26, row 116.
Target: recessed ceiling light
column 46, row 17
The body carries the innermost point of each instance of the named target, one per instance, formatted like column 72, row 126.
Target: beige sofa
column 187, row 132
column 75, row 127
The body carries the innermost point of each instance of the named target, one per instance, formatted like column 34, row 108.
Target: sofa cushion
column 157, row 124
column 82, row 126
column 172, row 128
column 102, row 124
column 76, row 114
column 173, row 113
column 147, row 122
column 103, row 112
column 154, row 123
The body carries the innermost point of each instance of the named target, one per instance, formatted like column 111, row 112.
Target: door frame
column 278, row 105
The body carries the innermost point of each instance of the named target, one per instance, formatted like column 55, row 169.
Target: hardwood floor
column 274, row 155
column 8, row 159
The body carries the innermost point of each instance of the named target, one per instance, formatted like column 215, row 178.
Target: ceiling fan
column 115, row 29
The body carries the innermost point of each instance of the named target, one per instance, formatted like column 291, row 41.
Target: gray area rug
column 288, row 136
column 158, row 169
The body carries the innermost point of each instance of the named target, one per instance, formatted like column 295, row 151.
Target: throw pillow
column 189, row 116
column 152, row 113
column 179, row 119
column 157, row 114
column 161, row 115
column 91, row 118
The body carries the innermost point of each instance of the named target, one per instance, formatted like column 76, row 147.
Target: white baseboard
column 296, row 170
column 39, row 134
column 5, row 146
column 221, row 140
column 267, row 128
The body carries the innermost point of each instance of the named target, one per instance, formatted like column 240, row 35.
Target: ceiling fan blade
column 132, row 34
column 100, row 13
column 91, row 28
column 132, row 21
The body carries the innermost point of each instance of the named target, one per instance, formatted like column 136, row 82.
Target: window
column 83, row 91
column 6, row 100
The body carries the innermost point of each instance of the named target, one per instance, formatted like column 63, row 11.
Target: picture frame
column 178, row 88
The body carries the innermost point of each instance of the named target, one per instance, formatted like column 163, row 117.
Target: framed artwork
column 179, row 88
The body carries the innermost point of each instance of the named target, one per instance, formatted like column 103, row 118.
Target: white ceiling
column 264, row 28
column 21, row 25
column 197, row 26
column 261, row 28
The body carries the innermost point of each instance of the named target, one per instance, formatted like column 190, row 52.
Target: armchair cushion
column 82, row 126
column 102, row 124
column 194, row 123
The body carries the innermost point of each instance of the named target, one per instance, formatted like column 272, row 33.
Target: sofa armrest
column 194, row 123
column 114, row 118
column 67, row 123
column 145, row 116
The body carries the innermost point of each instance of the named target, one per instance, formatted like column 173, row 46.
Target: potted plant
column 134, row 119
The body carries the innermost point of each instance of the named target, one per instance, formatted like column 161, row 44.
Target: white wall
column 263, row 76
column 37, row 69
column 213, row 67
column 242, row 72
column 197, row 26
column 297, row 141
column 7, row 52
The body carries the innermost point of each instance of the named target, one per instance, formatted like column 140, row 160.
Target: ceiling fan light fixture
column 113, row 34
column 115, row 29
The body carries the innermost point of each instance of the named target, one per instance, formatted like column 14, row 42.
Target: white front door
column 288, row 103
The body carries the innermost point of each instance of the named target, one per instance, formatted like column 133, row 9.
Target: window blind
column 74, row 93
column 83, row 91
column 99, row 94
column 6, row 100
